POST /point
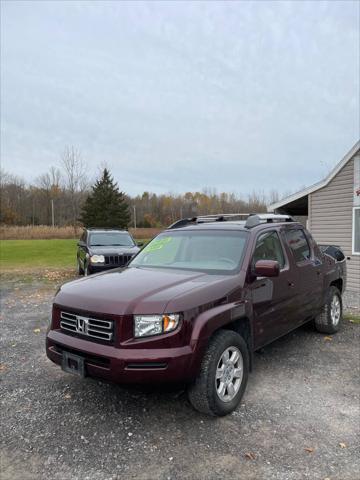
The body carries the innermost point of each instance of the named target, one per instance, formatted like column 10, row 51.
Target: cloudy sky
column 178, row 96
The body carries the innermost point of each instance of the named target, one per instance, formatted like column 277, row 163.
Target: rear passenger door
column 309, row 283
column 274, row 308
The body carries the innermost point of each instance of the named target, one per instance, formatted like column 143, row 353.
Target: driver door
column 273, row 298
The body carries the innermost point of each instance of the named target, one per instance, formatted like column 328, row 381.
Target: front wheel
column 223, row 376
column 330, row 318
column 80, row 270
column 87, row 270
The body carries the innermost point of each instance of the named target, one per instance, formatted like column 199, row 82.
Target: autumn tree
column 106, row 205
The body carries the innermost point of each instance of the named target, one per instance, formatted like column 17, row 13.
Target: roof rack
column 219, row 217
column 103, row 228
column 255, row 219
column 251, row 219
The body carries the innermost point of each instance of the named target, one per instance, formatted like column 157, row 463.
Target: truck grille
column 90, row 327
column 119, row 260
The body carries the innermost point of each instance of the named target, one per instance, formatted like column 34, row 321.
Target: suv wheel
column 80, row 270
column 223, row 375
column 86, row 270
column 329, row 320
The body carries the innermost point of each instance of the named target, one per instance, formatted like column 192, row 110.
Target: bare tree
column 75, row 180
column 273, row 196
column 49, row 188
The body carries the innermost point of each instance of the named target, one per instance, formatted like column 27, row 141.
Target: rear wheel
column 223, row 375
column 329, row 320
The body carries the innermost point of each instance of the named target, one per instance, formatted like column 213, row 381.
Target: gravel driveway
column 299, row 418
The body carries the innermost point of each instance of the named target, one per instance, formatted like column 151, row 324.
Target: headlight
column 97, row 259
column 147, row 325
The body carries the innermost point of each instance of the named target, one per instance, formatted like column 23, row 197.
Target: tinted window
column 194, row 250
column 268, row 247
column 105, row 239
column 298, row 244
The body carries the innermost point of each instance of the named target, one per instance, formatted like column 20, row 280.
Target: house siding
column 330, row 218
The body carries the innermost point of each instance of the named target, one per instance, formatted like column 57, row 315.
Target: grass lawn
column 37, row 253
column 352, row 318
column 15, row 254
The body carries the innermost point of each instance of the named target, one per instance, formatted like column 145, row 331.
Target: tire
column 203, row 393
column 87, row 270
column 80, row 270
column 330, row 319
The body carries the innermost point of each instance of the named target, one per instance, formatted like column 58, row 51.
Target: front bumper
column 124, row 365
column 101, row 267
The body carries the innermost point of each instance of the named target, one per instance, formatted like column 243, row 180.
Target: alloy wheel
column 229, row 374
column 335, row 310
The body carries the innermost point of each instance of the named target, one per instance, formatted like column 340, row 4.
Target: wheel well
column 338, row 284
column 242, row 327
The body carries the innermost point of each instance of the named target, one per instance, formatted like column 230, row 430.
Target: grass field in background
column 37, row 253
column 57, row 253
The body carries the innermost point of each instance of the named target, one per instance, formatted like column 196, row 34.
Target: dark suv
column 195, row 304
column 101, row 249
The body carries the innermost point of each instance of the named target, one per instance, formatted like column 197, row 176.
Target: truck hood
column 144, row 291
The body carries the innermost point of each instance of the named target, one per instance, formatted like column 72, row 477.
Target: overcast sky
column 180, row 96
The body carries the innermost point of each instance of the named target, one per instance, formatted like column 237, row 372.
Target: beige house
column 332, row 208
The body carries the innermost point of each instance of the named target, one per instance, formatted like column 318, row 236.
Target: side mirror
column 267, row 268
column 80, row 244
column 140, row 244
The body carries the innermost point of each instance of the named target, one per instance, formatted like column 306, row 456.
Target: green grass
column 37, row 253
column 15, row 254
column 350, row 317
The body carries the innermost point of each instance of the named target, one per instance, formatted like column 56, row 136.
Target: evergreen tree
column 106, row 206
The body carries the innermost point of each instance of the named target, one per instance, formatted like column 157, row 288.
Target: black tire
column 203, row 393
column 327, row 321
column 87, row 270
column 80, row 270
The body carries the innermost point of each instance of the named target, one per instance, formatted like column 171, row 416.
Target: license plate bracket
column 73, row 364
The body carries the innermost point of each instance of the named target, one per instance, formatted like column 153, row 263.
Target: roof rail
column 252, row 219
column 104, row 228
column 255, row 219
column 218, row 217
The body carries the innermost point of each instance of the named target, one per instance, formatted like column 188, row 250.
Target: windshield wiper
column 98, row 245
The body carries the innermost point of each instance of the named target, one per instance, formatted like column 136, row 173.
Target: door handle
column 318, row 273
column 291, row 284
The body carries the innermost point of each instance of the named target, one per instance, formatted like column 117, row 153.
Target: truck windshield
column 203, row 250
column 107, row 239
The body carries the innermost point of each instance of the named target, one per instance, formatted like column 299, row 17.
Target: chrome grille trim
column 87, row 326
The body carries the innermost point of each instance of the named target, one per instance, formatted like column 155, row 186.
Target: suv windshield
column 107, row 239
column 209, row 250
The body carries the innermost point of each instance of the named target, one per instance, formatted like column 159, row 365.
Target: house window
column 356, row 231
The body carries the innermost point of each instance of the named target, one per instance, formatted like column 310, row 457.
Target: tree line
column 64, row 196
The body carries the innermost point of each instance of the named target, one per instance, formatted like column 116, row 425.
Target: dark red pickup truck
column 195, row 303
